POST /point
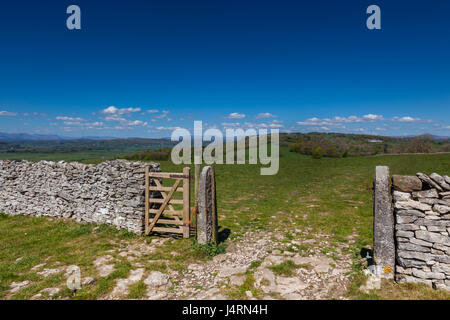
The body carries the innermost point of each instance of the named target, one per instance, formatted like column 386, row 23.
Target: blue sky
column 143, row 68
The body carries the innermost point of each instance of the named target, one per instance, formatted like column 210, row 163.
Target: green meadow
column 329, row 196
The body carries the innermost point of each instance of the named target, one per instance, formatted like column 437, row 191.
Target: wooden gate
column 167, row 212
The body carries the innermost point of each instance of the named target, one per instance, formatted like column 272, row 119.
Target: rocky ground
column 314, row 276
column 256, row 266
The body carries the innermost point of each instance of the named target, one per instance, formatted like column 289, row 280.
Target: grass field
column 82, row 156
column 329, row 196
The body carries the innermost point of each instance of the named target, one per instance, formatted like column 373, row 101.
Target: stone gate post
column 207, row 207
column 383, row 221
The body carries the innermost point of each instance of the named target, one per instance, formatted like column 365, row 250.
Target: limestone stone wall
column 111, row 192
column 422, row 229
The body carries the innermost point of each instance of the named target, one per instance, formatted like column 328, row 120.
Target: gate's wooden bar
column 172, row 201
column 168, row 221
column 157, row 188
column 171, row 230
column 176, row 213
column 167, row 175
column 186, row 200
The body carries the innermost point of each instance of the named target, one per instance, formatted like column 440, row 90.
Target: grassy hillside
column 336, row 145
column 342, row 145
column 77, row 150
column 328, row 197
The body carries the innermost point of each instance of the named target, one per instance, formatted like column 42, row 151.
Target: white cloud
column 114, row 110
column 96, row 124
column 265, row 115
column 354, row 119
column 89, row 125
column 408, row 119
column 231, row 124
column 152, row 111
column 137, row 123
column 164, row 115
column 125, row 122
column 347, row 120
column 69, row 119
column 373, row 117
column 167, row 128
column 35, row 114
column 305, row 123
column 274, row 125
column 336, row 121
column 236, row 115
column 8, row 114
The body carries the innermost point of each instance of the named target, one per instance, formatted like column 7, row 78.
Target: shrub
column 209, row 249
column 420, row 144
column 151, row 155
column 317, row 153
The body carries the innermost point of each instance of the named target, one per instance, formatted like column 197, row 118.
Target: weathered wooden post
column 383, row 223
column 186, row 201
column 197, row 168
column 207, row 226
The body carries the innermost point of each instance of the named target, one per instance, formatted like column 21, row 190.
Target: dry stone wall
column 422, row 229
column 112, row 192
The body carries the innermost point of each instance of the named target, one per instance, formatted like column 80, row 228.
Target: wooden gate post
column 147, row 197
column 186, row 201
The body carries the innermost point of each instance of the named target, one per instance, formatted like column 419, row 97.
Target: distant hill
column 55, row 144
column 27, row 137
column 342, row 145
column 45, row 137
column 437, row 138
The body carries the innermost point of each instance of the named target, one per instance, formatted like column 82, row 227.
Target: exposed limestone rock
column 17, row 286
column 441, row 209
column 440, row 180
column 406, row 183
column 121, row 288
column 230, row 270
column 103, row 267
column 157, row 279
column 401, row 196
column 87, row 281
column 48, row 272
column 411, row 204
column 428, row 181
column 432, row 193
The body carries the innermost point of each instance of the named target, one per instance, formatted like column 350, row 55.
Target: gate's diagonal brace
column 163, row 206
column 164, row 195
